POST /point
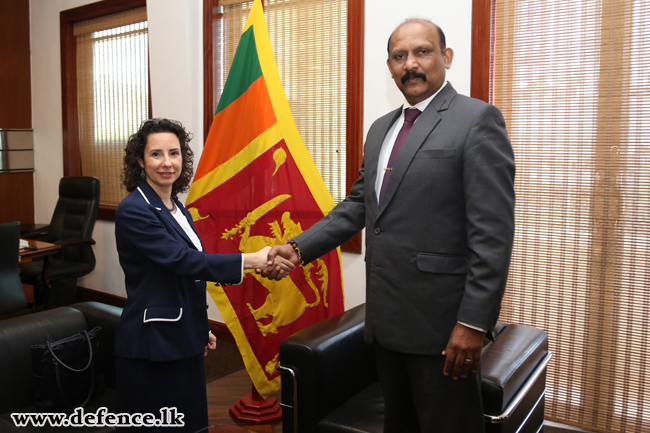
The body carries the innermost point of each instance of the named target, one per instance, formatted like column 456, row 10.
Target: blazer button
column 377, row 230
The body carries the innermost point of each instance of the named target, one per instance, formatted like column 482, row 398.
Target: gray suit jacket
column 438, row 249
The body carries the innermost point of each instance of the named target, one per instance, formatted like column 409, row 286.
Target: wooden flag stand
column 253, row 408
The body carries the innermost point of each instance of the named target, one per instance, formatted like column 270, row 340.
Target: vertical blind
column 113, row 93
column 572, row 80
column 309, row 39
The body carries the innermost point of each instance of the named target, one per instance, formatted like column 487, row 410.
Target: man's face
column 416, row 62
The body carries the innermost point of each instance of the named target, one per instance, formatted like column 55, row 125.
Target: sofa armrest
column 509, row 363
column 106, row 316
column 98, row 314
column 17, row 335
column 330, row 363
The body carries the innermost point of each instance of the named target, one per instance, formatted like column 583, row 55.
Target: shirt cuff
column 242, row 269
column 476, row 328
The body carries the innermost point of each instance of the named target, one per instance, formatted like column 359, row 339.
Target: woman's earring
column 142, row 174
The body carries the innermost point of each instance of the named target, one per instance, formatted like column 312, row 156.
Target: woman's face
column 162, row 160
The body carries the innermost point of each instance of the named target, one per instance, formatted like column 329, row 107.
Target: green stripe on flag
column 244, row 71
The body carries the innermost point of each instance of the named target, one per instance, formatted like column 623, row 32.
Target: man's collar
column 422, row 105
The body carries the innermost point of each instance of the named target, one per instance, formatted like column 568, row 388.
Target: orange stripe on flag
column 236, row 126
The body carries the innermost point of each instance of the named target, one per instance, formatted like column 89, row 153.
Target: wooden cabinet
column 16, row 189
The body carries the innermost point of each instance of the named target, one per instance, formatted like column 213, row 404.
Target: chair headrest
column 79, row 187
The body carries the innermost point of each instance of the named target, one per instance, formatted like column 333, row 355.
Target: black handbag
column 68, row 372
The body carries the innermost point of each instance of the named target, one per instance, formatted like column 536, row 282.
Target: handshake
column 272, row 263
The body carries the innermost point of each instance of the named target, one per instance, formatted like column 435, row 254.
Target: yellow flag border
column 253, row 367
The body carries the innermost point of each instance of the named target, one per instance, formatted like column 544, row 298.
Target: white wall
column 176, row 58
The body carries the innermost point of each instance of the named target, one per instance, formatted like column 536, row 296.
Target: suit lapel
column 422, row 129
column 373, row 148
column 156, row 201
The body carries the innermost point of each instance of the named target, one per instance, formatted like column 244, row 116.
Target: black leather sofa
column 17, row 335
column 329, row 381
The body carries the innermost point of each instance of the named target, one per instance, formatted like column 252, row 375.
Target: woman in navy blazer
column 164, row 332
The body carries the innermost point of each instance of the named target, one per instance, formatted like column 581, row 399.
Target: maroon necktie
column 410, row 115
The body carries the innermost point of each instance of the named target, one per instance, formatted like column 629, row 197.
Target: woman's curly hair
column 135, row 151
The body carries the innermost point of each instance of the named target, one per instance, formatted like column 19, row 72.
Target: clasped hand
column 271, row 266
column 279, row 258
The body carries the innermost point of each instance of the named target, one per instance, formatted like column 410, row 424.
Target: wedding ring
column 468, row 361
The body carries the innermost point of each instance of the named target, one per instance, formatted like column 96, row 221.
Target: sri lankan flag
column 256, row 185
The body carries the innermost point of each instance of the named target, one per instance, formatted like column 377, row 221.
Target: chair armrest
column 508, row 363
column 76, row 241
column 498, row 329
column 330, row 362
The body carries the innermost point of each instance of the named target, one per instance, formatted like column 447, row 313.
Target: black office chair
column 12, row 295
column 71, row 227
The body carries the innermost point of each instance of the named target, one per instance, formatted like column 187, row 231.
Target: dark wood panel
column 15, row 81
column 17, row 196
column 209, row 16
column 107, row 213
column 481, row 49
column 354, row 105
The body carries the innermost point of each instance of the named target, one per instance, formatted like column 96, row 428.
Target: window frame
column 481, row 49
column 70, row 109
column 354, row 89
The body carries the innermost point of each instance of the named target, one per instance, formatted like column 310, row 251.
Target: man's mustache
column 413, row 74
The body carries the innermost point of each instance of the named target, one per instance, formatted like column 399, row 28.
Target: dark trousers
column 418, row 397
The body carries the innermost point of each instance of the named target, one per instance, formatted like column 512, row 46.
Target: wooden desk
column 43, row 249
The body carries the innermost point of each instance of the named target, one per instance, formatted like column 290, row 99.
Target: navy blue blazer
column 165, row 315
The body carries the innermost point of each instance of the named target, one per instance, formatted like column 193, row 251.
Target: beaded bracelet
column 297, row 250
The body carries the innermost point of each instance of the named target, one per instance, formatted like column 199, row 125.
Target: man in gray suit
column 439, row 216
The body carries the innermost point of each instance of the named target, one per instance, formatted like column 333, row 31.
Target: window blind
column 113, row 93
column 571, row 78
column 309, row 40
